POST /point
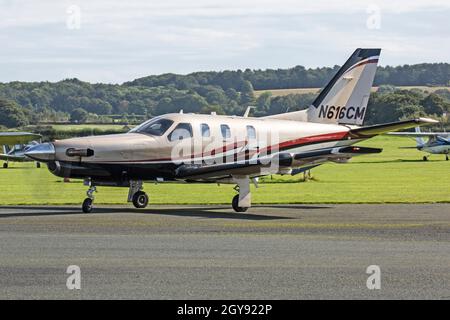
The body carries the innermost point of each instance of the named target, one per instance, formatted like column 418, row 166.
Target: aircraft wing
column 12, row 138
column 370, row 131
column 11, row 158
column 270, row 165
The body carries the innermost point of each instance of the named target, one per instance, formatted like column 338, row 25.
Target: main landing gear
column 446, row 157
column 135, row 195
column 242, row 201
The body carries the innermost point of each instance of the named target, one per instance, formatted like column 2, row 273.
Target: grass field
column 394, row 176
column 284, row 92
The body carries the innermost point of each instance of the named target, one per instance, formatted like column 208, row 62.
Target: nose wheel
column 88, row 202
column 87, row 205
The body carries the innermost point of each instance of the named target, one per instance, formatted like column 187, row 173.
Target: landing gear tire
column 5, row 166
column 235, row 204
column 140, row 199
column 425, row 158
column 38, row 165
column 446, row 158
column 87, row 205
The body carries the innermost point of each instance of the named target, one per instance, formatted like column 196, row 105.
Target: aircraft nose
column 41, row 152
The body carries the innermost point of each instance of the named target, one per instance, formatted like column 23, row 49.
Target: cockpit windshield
column 154, row 127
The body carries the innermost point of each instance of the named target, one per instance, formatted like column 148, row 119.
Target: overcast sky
column 116, row 41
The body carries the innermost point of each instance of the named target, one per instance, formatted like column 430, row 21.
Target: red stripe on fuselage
column 328, row 137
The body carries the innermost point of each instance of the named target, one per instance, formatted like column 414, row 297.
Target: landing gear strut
column 242, row 201
column 87, row 203
column 137, row 196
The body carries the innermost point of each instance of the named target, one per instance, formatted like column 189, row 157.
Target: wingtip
column 426, row 120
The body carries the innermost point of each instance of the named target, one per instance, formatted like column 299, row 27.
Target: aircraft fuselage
column 212, row 140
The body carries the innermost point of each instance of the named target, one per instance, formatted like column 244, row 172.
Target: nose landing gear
column 87, row 203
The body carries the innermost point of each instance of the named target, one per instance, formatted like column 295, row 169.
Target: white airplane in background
column 437, row 143
column 14, row 145
column 198, row 148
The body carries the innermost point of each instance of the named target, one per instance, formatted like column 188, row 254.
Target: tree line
column 227, row 92
column 424, row 74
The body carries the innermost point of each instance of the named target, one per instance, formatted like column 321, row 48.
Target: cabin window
column 206, row 133
column 154, row 127
column 251, row 132
column 181, row 131
column 226, row 132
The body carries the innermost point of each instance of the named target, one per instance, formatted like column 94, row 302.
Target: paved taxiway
column 203, row 252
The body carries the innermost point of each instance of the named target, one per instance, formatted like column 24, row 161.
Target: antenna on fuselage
column 247, row 111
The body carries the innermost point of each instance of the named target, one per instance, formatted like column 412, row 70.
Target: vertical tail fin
column 344, row 99
column 419, row 140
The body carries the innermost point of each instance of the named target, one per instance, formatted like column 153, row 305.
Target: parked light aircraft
column 437, row 143
column 14, row 145
column 228, row 149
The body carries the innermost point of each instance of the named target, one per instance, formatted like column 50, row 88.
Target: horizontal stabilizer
column 370, row 131
column 417, row 134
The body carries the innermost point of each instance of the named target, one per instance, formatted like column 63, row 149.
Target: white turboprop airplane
column 14, row 145
column 437, row 143
column 228, row 149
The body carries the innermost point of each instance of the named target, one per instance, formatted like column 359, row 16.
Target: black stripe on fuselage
column 153, row 170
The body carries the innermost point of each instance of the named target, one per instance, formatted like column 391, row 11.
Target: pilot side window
column 155, row 127
column 251, row 132
column 226, row 132
column 181, row 131
column 205, row 130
